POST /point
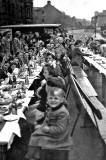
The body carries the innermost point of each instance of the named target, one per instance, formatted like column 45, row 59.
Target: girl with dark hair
column 38, row 103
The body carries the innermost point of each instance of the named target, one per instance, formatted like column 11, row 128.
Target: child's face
column 58, row 54
column 6, row 66
column 49, row 59
column 55, row 98
column 13, row 66
column 46, row 73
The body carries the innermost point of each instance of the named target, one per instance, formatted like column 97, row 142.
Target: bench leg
column 47, row 154
column 3, row 151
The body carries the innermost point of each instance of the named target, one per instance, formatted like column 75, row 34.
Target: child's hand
column 43, row 82
column 37, row 92
column 45, row 128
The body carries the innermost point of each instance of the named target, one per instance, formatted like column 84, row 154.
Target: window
column 43, row 20
column 13, row 9
column 42, row 11
column 28, row 12
column 21, row 11
column 4, row 5
column 3, row 1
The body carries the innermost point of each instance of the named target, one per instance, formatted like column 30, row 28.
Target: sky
column 78, row 8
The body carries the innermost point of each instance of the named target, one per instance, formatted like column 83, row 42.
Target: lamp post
column 95, row 25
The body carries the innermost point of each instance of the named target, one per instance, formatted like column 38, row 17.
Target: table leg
column 3, row 151
column 104, row 89
column 96, row 80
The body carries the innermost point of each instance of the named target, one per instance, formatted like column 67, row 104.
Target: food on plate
column 11, row 117
column 5, row 99
column 7, row 96
column 7, row 88
column 4, row 110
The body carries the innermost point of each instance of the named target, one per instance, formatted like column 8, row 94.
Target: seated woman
column 54, row 133
column 50, row 59
column 13, row 68
column 13, row 72
column 6, row 73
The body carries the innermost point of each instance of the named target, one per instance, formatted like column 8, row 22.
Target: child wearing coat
column 54, row 133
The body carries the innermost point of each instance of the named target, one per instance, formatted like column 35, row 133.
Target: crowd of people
column 55, row 52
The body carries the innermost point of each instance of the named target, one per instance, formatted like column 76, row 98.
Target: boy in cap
column 54, row 133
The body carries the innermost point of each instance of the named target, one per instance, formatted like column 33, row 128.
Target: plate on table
column 31, row 77
column 4, row 110
column 11, row 117
column 22, row 77
column 5, row 101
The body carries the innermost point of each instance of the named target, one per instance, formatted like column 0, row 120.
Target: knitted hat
column 56, row 82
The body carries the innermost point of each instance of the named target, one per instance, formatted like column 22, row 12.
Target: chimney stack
column 48, row 2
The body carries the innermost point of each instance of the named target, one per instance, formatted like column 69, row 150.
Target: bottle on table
column 14, row 78
column 10, row 80
column 18, row 94
column 26, row 80
column 29, row 70
column 14, row 107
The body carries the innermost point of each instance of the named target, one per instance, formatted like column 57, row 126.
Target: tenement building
column 50, row 15
column 46, row 14
column 16, row 12
column 99, row 19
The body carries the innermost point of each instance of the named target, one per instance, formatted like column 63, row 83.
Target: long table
column 12, row 128
column 89, row 91
column 97, row 74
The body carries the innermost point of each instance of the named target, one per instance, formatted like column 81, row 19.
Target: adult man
column 6, row 43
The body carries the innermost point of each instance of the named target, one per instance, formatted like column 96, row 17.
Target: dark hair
column 51, row 70
column 13, row 63
column 77, row 42
column 58, row 82
column 50, row 54
column 5, row 33
column 17, row 33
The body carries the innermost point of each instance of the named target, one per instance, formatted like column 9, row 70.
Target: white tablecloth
column 12, row 128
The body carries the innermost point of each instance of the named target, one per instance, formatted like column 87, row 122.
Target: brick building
column 16, row 12
column 50, row 15
column 99, row 19
column 46, row 14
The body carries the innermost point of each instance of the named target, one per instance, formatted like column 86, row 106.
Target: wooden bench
column 84, row 82
column 98, row 123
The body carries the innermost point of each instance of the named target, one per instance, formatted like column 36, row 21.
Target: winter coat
column 58, row 135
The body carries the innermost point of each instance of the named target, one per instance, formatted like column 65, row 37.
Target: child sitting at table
column 38, row 108
column 54, row 133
